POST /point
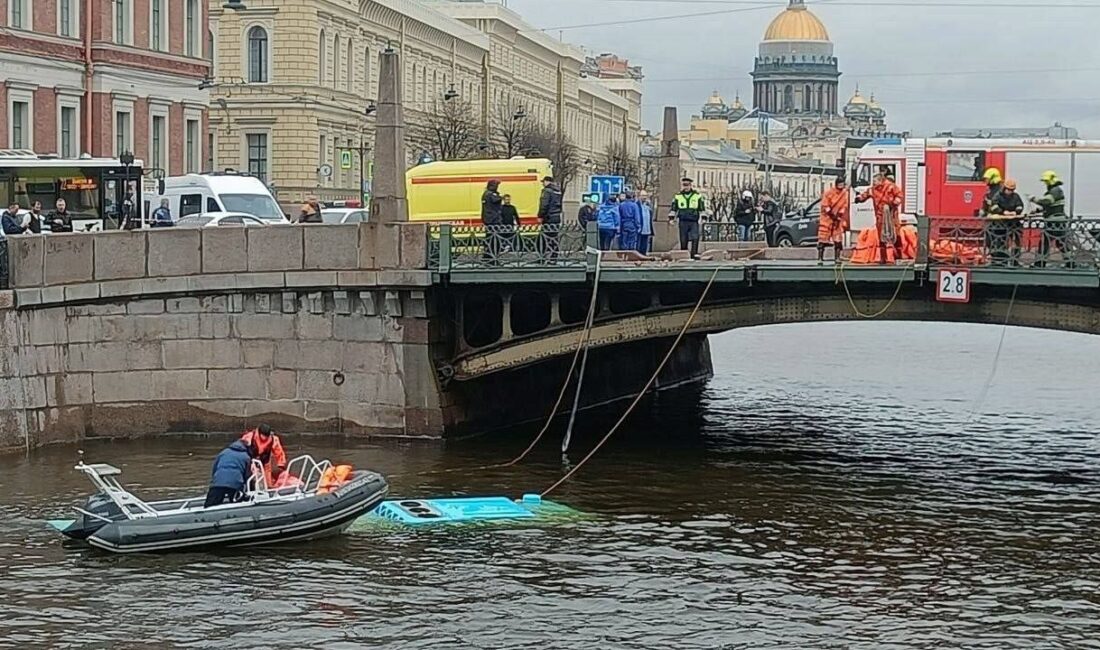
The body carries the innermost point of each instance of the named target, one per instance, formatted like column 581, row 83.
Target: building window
column 257, row 155
column 124, row 131
column 257, row 55
column 157, row 27
column 191, row 28
column 322, row 58
column 20, row 125
column 192, row 146
column 350, row 70
column 123, row 21
column 158, row 138
column 67, row 18
column 211, row 147
column 19, row 14
column 335, row 60
column 210, row 50
column 366, row 72
column 67, row 139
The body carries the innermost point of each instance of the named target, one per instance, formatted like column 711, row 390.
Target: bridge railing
column 493, row 247
column 1025, row 242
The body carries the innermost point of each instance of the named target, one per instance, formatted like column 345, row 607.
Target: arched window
column 257, row 55
column 366, row 72
column 350, row 78
column 788, row 98
column 807, row 95
column 322, row 58
column 335, row 61
column 210, row 51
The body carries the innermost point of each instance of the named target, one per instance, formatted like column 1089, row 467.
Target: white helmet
column 746, row 194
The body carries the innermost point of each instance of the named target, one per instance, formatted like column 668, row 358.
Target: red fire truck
column 942, row 177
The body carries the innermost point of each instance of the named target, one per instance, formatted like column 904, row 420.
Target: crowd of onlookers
column 16, row 221
column 624, row 221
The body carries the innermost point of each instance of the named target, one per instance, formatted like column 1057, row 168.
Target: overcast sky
column 914, row 56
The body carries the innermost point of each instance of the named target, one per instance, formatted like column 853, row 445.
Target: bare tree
column 511, row 130
column 649, row 170
column 618, row 161
column 449, row 131
column 545, row 142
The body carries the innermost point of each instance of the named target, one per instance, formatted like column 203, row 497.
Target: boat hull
column 262, row 522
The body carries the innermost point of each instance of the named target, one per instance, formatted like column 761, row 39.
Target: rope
column 996, row 361
column 649, row 384
column 840, row 279
column 582, row 345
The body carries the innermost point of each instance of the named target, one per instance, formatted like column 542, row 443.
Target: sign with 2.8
column 953, row 285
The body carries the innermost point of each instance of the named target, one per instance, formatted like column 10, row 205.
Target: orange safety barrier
column 333, row 478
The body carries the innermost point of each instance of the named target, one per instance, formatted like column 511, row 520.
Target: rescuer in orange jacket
column 886, row 197
column 833, row 220
column 268, row 449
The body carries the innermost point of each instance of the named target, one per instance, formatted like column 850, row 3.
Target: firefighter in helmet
column 1053, row 206
column 994, row 186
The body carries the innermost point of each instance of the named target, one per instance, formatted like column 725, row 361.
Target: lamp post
column 127, row 160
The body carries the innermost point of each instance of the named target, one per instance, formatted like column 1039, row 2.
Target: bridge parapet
column 51, row 269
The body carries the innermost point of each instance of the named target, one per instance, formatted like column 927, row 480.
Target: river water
column 834, row 486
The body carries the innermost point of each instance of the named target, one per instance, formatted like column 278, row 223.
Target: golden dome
column 874, row 104
column 737, row 102
column 796, row 23
column 716, row 100
column 857, row 99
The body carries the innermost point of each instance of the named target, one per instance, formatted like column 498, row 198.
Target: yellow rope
column 645, row 389
column 840, row 279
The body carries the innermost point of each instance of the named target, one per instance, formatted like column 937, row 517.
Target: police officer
column 687, row 207
column 1053, row 205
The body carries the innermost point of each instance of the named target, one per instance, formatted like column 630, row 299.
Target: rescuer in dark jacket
column 232, row 467
column 490, row 204
column 550, row 203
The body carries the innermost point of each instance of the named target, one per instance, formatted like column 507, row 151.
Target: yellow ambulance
column 450, row 191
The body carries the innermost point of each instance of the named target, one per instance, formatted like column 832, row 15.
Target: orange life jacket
column 333, row 478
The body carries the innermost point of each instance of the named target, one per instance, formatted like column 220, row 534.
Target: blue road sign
column 605, row 185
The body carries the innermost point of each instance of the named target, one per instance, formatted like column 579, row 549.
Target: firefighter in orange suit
column 268, row 449
column 833, row 221
column 886, row 196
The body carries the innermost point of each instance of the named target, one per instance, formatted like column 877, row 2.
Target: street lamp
column 234, row 5
column 450, row 94
column 127, row 160
column 519, row 114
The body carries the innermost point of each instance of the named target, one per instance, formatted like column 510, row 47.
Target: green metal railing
column 453, row 247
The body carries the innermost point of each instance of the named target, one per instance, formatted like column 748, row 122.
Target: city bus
column 98, row 191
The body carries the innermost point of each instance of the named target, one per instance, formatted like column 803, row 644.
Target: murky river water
column 830, row 488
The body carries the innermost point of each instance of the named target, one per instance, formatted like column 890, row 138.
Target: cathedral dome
column 796, row 23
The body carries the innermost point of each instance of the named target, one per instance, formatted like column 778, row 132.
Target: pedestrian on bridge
column 550, row 202
column 630, row 223
column 687, row 208
column 608, row 220
column 645, row 235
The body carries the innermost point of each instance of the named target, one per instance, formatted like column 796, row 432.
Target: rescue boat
column 321, row 502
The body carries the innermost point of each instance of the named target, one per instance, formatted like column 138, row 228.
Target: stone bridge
column 396, row 329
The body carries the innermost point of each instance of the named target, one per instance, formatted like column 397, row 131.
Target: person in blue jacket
column 607, row 221
column 645, row 235
column 630, row 223
column 232, row 467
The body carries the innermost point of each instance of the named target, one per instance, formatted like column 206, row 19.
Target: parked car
column 344, row 215
column 216, row 219
column 798, row 227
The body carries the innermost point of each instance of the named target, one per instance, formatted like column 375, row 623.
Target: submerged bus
column 100, row 192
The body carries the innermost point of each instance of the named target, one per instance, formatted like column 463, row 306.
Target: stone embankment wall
column 312, row 327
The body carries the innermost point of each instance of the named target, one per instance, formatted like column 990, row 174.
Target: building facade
column 293, row 83
column 795, row 72
column 122, row 77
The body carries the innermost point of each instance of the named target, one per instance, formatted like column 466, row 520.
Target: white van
column 220, row 192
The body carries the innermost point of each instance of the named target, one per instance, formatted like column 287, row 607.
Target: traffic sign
column 606, row 185
column 345, row 160
column 953, row 285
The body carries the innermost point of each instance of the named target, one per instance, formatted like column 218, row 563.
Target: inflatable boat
column 315, row 506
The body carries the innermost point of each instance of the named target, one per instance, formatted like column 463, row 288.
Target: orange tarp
column 867, row 250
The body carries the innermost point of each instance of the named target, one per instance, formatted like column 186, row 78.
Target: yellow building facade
column 293, row 80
